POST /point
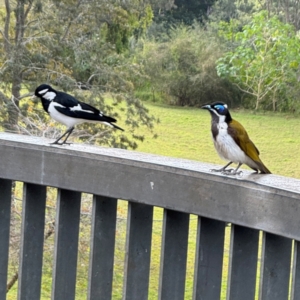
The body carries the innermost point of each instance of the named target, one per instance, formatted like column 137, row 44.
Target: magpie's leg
column 68, row 132
column 57, row 141
column 222, row 169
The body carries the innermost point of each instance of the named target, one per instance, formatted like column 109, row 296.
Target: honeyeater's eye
column 220, row 108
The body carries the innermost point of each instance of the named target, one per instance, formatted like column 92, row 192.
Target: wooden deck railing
column 252, row 204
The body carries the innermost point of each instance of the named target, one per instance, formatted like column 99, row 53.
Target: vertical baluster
column 295, row 293
column 32, row 241
column 209, row 259
column 242, row 263
column 66, row 244
column 173, row 255
column 138, row 250
column 275, row 267
column 103, row 234
column 5, row 204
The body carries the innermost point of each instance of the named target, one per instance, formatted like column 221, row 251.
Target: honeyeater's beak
column 206, row 107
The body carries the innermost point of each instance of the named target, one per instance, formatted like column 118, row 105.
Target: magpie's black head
column 218, row 110
column 45, row 91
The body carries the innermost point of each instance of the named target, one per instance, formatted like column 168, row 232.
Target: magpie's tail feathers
column 107, row 119
column 113, row 125
column 117, row 127
column 110, row 122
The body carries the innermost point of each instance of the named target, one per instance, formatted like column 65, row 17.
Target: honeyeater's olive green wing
column 240, row 136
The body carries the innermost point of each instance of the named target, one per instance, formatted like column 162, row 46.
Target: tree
column 183, row 12
column 78, row 46
column 264, row 61
column 287, row 11
column 239, row 10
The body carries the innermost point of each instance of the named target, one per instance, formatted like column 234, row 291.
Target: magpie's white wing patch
column 79, row 108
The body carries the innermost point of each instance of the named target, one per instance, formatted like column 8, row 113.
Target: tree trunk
column 15, row 54
column 274, row 101
column 13, row 104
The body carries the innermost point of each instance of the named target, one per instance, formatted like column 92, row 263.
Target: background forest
column 186, row 53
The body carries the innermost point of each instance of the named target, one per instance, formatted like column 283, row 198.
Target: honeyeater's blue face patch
column 220, row 108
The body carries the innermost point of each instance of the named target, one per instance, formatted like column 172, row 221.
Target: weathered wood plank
column 5, row 204
column 138, row 251
column 32, row 242
column 243, row 258
column 103, row 233
column 173, row 255
column 266, row 202
column 66, row 245
column 209, row 259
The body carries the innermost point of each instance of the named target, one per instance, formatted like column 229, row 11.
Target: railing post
column 5, row 204
column 66, row 245
column 103, row 232
column 295, row 292
column 209, row 259
column 138, row 251
column 173, row 255
column 32, row 242
column 243, row 257
column 275, row 267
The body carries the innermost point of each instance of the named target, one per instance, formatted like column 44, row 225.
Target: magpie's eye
column 220, row 108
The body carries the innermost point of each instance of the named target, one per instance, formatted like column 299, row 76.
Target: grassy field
column 184, row 133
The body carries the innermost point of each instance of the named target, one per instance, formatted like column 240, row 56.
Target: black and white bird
column 232, row 142
column 69, row 111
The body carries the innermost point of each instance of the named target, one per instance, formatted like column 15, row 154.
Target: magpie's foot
column 60, row 144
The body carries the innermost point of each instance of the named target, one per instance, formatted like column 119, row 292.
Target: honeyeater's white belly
column 228, row 149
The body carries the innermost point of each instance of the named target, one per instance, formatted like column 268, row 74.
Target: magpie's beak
column 206, row 107
column 34, row 98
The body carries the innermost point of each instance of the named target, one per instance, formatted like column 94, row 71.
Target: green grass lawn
column 185, row 133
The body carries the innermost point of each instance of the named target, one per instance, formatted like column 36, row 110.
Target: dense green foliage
column 253, row 48
column 264, row 61
column 182, row 69
column 185, row 12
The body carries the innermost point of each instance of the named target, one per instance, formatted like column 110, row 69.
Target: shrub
column 183, row 69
